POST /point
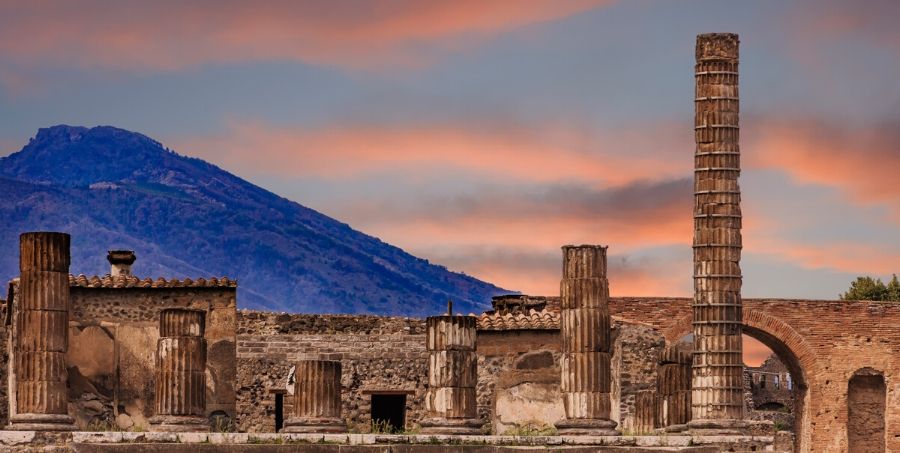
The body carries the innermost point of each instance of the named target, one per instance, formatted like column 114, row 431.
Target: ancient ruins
column 145, row 358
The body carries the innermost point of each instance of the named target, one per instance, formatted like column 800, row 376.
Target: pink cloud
column 513, row 152
column 861, row 162
column 166, row 35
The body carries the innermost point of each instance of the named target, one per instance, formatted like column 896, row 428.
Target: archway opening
column 777, row 385
column 866, row 394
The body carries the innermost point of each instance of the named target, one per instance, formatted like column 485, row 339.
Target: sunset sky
column 483, row 135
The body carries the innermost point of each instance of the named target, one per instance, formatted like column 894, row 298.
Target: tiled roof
column 130, row 281
column 530, row 320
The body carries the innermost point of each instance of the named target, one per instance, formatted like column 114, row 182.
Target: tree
column 868, row 288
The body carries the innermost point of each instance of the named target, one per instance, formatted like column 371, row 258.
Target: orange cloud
column 851, row 257
column 170, row 35
column 862, row 162
column 523, row 254
column 872, row 20
column 509, row 152
column 755, row 353
column 538, row 271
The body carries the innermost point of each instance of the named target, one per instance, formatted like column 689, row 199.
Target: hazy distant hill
column 112, row 188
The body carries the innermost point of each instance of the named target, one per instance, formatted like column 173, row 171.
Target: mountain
column 114, row 189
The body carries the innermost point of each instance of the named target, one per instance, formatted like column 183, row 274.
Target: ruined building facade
column 124, row 352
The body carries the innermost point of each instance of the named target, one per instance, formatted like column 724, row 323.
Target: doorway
column 279, row 412
column 389, row 412
column 865, row 412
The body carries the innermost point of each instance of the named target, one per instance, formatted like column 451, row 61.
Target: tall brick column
column 673, row 388
column 586, row 348
column 317, row 398
column 41, row 335
column 717, row 400
column 452, row 376
column 181, row 372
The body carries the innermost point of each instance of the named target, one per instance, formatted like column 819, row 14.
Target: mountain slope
column 112, row 188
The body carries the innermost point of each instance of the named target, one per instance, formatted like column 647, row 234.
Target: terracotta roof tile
column 130, row 281
column 530, row 320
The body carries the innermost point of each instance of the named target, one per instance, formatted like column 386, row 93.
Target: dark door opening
column 279, row 411
column 389, row 412
column 865, row 412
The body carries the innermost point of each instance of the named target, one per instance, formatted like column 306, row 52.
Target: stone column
column 181, row 372
column 317, row 398
column 717, row 400
column 41, row 334
column 674, row 389
column 452, row 376
column 586, row 343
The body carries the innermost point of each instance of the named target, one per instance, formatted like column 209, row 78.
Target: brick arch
column 793, row 350
column 779, row 336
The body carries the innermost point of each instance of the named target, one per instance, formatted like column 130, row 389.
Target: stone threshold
column 20, row 438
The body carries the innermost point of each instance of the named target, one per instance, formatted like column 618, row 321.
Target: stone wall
column 112, row 345
column 518, row 379
column 518, row 370
column 4, row 360
column 635, row 364
column 377, row 354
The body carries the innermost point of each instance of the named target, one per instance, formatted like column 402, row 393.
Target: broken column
column 181, row 372
column 586, row 344
column 41, row 334
column 452, row 376
column 674, row 389
column 717, row 400
column 317, row 398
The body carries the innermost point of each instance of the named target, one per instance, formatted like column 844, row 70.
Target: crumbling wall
column 518, row 379
column 4, row 365
column 376, row 353
column 635, row 365
column 112, row 345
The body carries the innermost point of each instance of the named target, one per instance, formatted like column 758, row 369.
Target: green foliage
column 531, row 429
column 99, row 425
column 382, row 427
column 868, row 288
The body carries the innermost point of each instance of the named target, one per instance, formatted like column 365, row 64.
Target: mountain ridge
column 112, row 188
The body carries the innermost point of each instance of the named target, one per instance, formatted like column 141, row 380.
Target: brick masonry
column 823, row 343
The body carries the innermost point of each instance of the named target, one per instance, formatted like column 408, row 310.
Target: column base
column 587, row 427
column 314, row 425
column 178, row 424
column 717, row 427
column 41, row 422
column 460, row 426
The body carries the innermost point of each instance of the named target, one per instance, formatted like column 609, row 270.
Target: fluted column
column 452, row 376
column 586, row 348
column 717, row 400
column 181, row 372
column 41, row 334
column 317, row 398
column 674, row 389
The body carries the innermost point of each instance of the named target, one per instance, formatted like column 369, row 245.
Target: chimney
column 120, row 262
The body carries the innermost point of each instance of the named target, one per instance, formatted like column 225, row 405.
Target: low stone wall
column 375, row 443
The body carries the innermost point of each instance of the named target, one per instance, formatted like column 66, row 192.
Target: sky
column 483, row 135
